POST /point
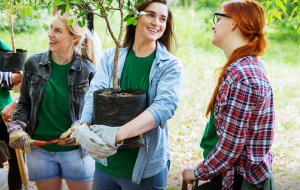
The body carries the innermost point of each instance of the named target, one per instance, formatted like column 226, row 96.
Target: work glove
column 71, row 141
column 98, row 140
column 18, row 138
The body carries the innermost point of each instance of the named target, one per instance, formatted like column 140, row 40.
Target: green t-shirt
column 210, row 137
column 135, row 75
column 5, row 97
column 54, row 112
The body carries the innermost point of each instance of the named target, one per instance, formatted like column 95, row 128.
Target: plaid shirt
column 244, row 121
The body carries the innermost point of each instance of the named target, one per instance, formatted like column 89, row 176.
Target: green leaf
column 291, row 17
column 62, row 12
column 131, row 20
column 70, row 21
column 49, row 4
column 282, row 7
column 22, row 13
column 298, row 28
column 35, row 8
column 277, row 14
column 270, row 17
column 68, row 8
column 83, row 14
column 98, row 6
column 57, row 3
column 139, row 2
column 80, row 24
column 107, row 8
column 76, row 2
column 101, row 12
column 298, row 43
column 127, row 18
column 27, row 12
column 83, row 23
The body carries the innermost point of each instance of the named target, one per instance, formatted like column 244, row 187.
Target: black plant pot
column 116, row 110
column 12, row 62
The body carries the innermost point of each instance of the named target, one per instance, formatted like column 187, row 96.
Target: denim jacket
column 165, row 82
column 36, row 73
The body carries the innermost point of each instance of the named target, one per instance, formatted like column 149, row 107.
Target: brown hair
column 250, row 19
column 168, row 39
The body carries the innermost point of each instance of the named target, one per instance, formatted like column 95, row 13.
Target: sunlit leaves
column 131, row 20
column 276, row 14
column 70, row 21
column 57, row 3
column 270, row 17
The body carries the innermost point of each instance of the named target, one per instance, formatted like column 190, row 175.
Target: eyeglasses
column 216, row 17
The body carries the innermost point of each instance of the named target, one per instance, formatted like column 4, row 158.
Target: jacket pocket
column 80, row 89
column 33, row 83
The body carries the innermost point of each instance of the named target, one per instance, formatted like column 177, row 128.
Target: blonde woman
column 52, row 95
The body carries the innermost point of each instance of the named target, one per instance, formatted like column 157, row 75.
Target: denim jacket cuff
column 155, row 115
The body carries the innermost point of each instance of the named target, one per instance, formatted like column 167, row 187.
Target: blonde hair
column 84, row 46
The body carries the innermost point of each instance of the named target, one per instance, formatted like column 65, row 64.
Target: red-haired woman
column 240, row 132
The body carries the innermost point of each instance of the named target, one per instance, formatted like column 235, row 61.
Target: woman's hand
column 18, row 138
column 188, row 175
column 16, row 77
column 71, row 140
column 8, row 111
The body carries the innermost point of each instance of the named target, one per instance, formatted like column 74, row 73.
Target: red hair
column 250, row 19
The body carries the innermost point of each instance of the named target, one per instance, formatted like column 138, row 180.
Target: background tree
column 11, row 11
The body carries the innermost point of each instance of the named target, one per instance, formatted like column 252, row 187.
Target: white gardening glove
column 93, row 143
column 107, row 134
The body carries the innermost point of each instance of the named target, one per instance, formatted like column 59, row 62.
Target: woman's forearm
column 139, row 125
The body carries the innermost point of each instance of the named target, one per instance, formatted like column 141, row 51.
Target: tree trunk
column 12, row 34
column 118, row 46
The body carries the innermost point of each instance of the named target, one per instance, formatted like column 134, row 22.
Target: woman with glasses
column 240, row 131
column 146, row 63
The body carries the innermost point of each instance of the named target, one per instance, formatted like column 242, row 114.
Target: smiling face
column 60, row 39
column 151, row 26
column 222, row 30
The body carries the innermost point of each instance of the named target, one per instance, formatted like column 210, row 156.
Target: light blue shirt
column 165, row 82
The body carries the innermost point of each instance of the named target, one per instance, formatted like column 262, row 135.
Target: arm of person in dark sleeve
column 5, row 80
column 22, row 112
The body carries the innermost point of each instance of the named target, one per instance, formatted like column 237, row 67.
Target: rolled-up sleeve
column 168, row 93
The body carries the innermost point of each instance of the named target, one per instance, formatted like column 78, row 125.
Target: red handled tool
column 39, row 143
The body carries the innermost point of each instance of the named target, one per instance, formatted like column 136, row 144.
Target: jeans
column 44, row 165
column 104, row 181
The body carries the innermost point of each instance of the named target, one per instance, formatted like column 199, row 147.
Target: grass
column 200, row 58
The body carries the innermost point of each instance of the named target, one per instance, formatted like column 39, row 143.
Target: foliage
column 38, row 23
column 13, row 10
column 197, row 4
column 104, row 9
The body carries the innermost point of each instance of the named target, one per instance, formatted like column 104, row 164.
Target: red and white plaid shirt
column 245, row 122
